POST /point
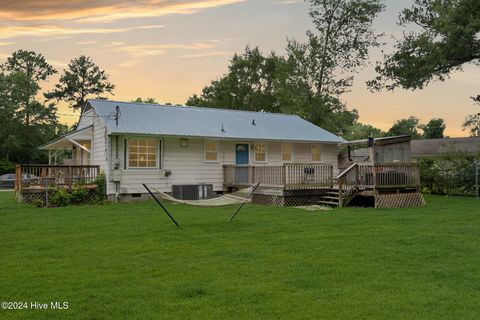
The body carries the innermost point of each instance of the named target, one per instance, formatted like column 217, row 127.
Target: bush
column 79, row 195
column 38, row 203
column 452, row 174
column 6, row 167
column 101, row 190
column 59, row 197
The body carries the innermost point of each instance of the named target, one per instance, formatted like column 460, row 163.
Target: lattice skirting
column 33, row 195
column 285, row 201
column 401, row 200
column 29, row 197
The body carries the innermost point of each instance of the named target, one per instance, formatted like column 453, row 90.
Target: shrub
column 38, row 203
column 59, row 197
column 6, row 167
column 452, row 174
column 101, row 190
column 79, row 195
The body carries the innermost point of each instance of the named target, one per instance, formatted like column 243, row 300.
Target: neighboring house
column 445, row 146
column 164, row 146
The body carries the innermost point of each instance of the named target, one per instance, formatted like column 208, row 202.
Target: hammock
column 224, row 200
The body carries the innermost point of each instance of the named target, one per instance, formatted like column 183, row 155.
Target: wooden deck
column 295, row 176
column 30, row 178
column 315, row 182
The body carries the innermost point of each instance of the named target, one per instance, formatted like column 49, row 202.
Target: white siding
column 187, row 164
column 86, row 119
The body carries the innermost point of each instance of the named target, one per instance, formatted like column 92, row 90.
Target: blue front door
column 241, row 154
column 241, row 158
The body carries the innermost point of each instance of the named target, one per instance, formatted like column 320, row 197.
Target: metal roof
column 138, row 118
column 379, row 141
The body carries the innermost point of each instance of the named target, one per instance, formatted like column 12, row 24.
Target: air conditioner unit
column 205, row 191
column 192, row 191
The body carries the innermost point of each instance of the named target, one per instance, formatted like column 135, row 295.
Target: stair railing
column 348, row 182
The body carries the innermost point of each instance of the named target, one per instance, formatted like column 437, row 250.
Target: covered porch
column 77, row 143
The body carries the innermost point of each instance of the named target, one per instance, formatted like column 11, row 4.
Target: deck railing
column 392, row 175
column 287, row 176
column 378, row 176
column 29, row 176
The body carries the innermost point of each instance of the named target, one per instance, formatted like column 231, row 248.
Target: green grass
column 128, row 261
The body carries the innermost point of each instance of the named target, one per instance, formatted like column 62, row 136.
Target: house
column 165, row 146
column 196, row 152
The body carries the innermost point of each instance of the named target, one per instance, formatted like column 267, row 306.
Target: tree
column 435, row 128
column 26, row 123
column 340, row 44
column 27, row 69
column 252, row 83
column 472, row 122
column 146, row 100
column 362, row 131
column 81, row 81
column 256, row 82
column 447, row 40
column 405, row 127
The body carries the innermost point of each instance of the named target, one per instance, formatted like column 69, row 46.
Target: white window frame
column 205, row 151
column 319, row 149
column 159, row 160
column 291, row 152
column 255, row 152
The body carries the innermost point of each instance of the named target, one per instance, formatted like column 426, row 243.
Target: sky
column 169, row 49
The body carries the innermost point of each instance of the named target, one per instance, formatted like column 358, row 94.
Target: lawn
column 128, row 261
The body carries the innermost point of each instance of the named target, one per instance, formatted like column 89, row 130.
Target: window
column 211, row 151
column 260, row 152
column 286, row 152
column 316, row 154
column 143, row 153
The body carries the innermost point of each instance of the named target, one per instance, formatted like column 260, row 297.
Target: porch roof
column 68, row 140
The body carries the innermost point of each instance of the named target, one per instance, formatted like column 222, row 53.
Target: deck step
column 328, row 202
column 331, row 195
column 330, row 198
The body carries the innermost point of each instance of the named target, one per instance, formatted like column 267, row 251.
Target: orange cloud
column 12, row 31
column 158, row 49
column 105, row 10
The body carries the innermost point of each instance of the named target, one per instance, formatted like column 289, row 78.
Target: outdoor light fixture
column 183, row 143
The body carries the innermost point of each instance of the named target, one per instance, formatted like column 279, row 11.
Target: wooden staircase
column 331, row 198
column 348, row 187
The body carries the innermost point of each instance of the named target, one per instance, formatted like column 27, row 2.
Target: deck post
column 357, row 178
column 340, row 193
column 18, row 177
column 253, row 174
column 284, row 176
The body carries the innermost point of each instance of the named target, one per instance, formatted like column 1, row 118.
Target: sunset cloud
column 159, row 49
column 207, row 54
column 106, row 10
column 12, row 31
